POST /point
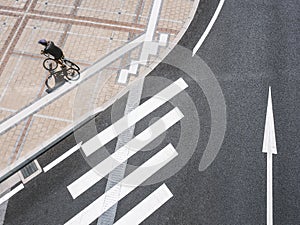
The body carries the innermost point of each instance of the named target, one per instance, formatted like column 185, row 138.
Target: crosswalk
column 133, row 117
column 132, row 147
column 128, row 184
column 124, row 187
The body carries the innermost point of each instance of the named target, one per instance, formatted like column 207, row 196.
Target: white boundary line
column 124, row 187
column 62, row 157
column 133, row 117
column 146, row 207
column 208, row 28
column 11, row 193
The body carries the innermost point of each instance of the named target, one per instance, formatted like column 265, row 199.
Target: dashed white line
column 62, row 157
column 11, row 193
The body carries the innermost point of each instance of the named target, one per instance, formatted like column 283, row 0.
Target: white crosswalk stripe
column 146, row 207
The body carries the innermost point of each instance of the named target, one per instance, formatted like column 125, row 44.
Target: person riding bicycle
column 52, row 49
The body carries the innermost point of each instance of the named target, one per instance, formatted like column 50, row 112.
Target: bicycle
column 68, row 70
column 54, row 62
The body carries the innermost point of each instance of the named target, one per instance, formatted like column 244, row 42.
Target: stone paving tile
column 41, row 130
column 57, row 6
column 36, row 30
column 62, row 108
column 15, row 4
column 6, row 25
column 86, row 30
column 21, row 82
column 104, row 9
column 144, row 14
column 174, row 13
column 97, row 43
column 8, row 142
column 108, row 91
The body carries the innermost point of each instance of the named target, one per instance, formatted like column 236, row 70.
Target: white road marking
column 163, row 39
column 133, row 117
column 86, row 74
column 269, row 147
column 11, row 193
column 62, row 157
column 126, row 186
column 146, row 207
column 152, row 22
column 149, row 47
column 90, row 178
column 208, row 28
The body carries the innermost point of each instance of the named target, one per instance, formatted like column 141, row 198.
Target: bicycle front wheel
column 50, row 64
column 72, row 74
column 71, row 64
column 50, row 82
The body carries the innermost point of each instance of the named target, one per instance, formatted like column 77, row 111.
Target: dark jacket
column 53, row 50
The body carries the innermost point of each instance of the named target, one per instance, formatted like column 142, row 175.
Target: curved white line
column 208, row 28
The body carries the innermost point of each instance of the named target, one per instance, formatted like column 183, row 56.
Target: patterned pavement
column 86, row 30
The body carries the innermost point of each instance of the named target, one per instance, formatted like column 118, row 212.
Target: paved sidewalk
column 87, row 30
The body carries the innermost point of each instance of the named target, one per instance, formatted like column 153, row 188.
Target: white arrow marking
column 269, row 147
column 208, row 28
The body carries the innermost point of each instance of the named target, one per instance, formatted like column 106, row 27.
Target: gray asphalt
column 252, row 45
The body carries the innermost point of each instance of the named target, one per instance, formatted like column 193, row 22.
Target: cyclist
column 52, row 49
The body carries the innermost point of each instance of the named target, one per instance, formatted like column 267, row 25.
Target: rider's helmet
column 43, row 42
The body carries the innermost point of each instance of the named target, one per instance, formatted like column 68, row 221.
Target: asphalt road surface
column 252, row 45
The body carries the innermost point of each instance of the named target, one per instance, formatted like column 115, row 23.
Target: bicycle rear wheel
column 50, row 64
column 50, row 82
column 71, row 64
column 72, row 74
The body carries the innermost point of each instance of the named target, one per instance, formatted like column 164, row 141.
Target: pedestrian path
column 86, row 74
column 87, row 31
